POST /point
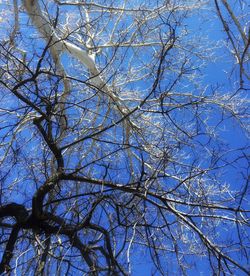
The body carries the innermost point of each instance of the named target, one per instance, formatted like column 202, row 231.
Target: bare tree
column 235, row 21
column 112, row 143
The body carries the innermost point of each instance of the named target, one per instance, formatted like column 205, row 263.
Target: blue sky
column 219, row 73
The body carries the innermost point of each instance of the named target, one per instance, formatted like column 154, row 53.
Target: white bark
column 59, row 45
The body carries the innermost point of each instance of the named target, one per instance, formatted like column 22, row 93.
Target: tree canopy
column 124, row 137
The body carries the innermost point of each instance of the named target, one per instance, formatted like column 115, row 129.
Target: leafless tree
column 113, row 146
column 234, row 16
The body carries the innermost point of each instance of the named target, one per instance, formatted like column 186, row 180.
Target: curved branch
column 37, row 201
column 14, row 210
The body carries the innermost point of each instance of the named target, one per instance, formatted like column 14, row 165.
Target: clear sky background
column 220, row 74
column 223, row 74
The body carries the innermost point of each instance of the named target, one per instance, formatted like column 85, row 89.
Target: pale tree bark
column 112, row 143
